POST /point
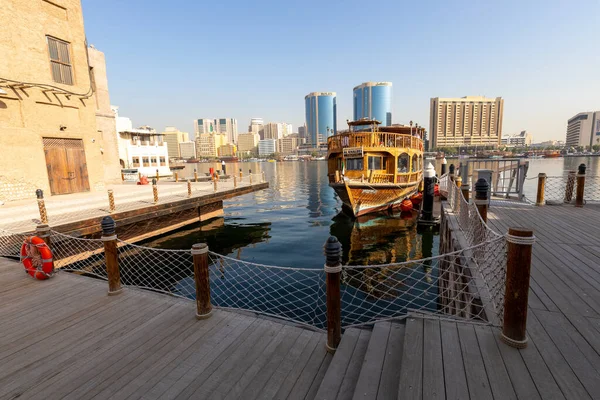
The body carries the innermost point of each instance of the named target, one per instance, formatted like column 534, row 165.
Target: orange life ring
column 416, row 199
column 36, row 256
column 406, row 205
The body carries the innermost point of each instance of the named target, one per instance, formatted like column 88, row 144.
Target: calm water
column 288, row 223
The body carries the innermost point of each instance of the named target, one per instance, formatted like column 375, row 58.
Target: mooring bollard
column 428, row 194
column 240, row 174
column 481, row 197
column 189, row 187
column 541, row 189
column 458, row 181
column 444, row 163
column 195, row 175
column 41, row 206
column 157, row 176
column 234, row 181
column 333, row 269
column 264, row 179
column 250, row 175
column 111, row 255
column 571, row 178
column 215, row 179
column 518, row 268
column 451, row 172
column 202, row 280
column 155, row 190
column 580, row 185
column 111, row 201
column 176, row 177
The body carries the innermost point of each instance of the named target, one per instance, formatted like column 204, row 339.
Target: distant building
column 549, row 143
column 583, row 129
column 142, row 148
column 204, row 125
column 302, row 131
column 267, row 146
column 321, row 116
column 227, row 150
column 207, row 144
column 187, row 150
column 227, row 127
column 256, row 126
column 465, row 121
column 522, row 139
column 277, row 130
column 373, row 100
column 288, row 144
column 248, row 143
column 173, row 137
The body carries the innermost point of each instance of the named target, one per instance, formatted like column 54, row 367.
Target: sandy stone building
column 56, row 129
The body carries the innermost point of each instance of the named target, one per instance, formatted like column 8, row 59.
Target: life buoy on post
column 36, row 256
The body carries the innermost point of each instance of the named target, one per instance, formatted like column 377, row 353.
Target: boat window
column 415, row 161
column 354, row 164
column 135, row 161
column 403, row 163
column 420, row 162
column 374, row 162
column 146, row 161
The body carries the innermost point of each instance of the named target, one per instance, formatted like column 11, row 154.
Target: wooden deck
column 65, row 338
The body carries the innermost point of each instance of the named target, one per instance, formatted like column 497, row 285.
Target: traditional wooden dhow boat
column 374, row 168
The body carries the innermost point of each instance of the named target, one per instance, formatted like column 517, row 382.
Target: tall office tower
column 583, row 129
column 204, row 125
column 321, row 116
column 173, row 137
column 373, row 100
column 256, row 126
column 228, row 127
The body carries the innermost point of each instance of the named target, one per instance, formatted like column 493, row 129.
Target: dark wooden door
column 66, row 164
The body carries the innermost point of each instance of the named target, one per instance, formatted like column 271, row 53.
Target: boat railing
column 385, row 178
column 373, row 139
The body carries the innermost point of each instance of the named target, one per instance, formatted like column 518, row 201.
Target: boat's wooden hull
column 362, row 199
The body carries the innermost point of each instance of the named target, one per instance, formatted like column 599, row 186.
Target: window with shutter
column 60, row 61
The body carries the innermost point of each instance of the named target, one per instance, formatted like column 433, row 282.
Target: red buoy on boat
column 406, row 205
column 416, row 199
column 36, row 256
column 436, row 190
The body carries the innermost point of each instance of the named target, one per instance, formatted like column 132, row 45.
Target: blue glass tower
column 373, row 100
column 321, row 116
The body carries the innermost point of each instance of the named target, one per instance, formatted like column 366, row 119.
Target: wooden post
column 155, row 190
column 202, row 279
column 541, row 189
column 189, row 185
column 176, row 177
column 215, row 178
column 481, row 197
column 250, row 175
column 234, row 181
column 580, row 185
column 337, row 176
column 111, row 256
column 458, row 181
column 122, row 176
column 240, row 175
column 139, row 176
column 264, row 179
column 333, row 269
column 42, row 206
column 465, row 191
column 570, row 186
column 195, row 175
column 111, row 201
column 157, row 176
column 518, row 266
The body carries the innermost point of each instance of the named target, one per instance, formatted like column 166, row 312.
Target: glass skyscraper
column 321, row 116
column 373, row 100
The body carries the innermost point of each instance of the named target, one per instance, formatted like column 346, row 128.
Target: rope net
column 563, row 189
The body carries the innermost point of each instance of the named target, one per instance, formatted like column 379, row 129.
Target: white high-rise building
column 583, row 129
column 267, row 146
column 227, row 127
column 277, row 130
column 256, row 126
column 204, row 125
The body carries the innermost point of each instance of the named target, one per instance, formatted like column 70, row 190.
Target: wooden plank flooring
column 65, row 338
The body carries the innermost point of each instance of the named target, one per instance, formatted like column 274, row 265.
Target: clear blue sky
column 170, row 62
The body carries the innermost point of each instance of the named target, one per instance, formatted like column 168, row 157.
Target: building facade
column 227, row 150
column 207, row 144
column 256, row 126
column 187, row 150
column 227, row 127
column 465, row 121
column 53, row 119
column 174, row 137
column 302, row 132
column 288, row 145
column 267, row 147
column 373, row 100
column 321, row 116
column 248, row 143
column 583, row 129
column 522, row 139
column 204, row 125
column 276, row 130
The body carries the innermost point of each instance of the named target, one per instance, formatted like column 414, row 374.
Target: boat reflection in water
column 383, row 239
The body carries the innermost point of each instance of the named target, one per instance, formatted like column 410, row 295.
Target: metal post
column 189, row 187
column 111, row 201
column 518, row 267
column 202, row 280
column 451, row 172
column 111, row 256
column 333, row 269
column 580, row 185
column 444, row 163
column 541, row 189
column 570, row 186
column 155, row 190
column 428, row 193
column 224, row 168
column 41, row 206
column 487, row 175
column 195, row 175
column 481, row 197
column 240, row 175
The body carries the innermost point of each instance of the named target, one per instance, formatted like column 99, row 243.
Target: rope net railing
column 466, row 284
column 563, row 189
